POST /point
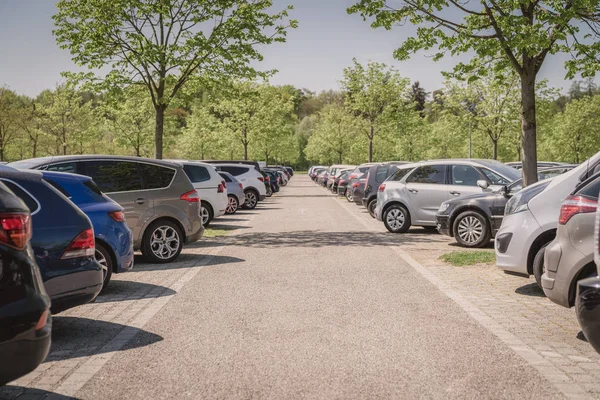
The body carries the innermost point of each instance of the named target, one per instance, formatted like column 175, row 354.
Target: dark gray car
column 161, row 205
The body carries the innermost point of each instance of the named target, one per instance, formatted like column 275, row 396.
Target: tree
column 8, row 119
column 418, row 96
column 517, row 35
column 333, row 136
column 376, row 95
column 163, row 44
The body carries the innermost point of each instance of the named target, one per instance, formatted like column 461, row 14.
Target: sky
column 314, row 56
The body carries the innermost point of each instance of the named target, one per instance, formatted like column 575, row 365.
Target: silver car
column 413, row 195
column 235, row 192
column 161, row 206
column 570, row 256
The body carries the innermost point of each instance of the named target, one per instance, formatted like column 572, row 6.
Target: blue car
column 114, row 243
column 62, row 240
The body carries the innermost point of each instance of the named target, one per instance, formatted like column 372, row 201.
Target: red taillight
column 190, row 197
column 42, row 321
column 382, row 187
column 342, row 181
column 574, row 205
column 82, row 246
column 260, row 178
column 15, row 230
column 352, row 176
column 118, row 216
column 355, row 185
column 241, row 186
column 268, row 179
column 220, row 188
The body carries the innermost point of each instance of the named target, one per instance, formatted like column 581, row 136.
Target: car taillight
column 574, row 205
column 15, row 230
column 118, row 216
column 366, row 181
column 382, row 187
column 260, row 178
column 241, row 186
column 82, row 246
column 268, row 179
column 42, row 321
column 352, row 176
column 355, row 185
column 220, row 188
column 342, row 181
column 190, row 197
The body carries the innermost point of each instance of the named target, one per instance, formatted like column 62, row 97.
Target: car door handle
column 454, row 193
column 413, row 190
column 140, row 201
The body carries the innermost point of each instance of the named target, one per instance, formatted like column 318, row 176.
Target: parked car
column 113, row 238
column 290, row 171
column 342, row 183
column 253, row 181
column 587, row 299
column 336, row 180
column 531, row 220
column 358, row 190
column 267, row 182
column 413, row 195
column 540, row 164
column 315, row 171
column 235, row 192
column 376, row 175
column 210, row 187
column 475, row 219
column 570, row 256
column 323, row 177
column 25, row 319
column 62, row 240
column 335, row 171
column 273, row 180
column 162, row 208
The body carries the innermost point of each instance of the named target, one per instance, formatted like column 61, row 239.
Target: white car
column 531, row 219
column 251, row 179
column 335, row 171
column 210, row 186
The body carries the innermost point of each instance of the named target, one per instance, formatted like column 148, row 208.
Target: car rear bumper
column 76, row 288
column 20, row 357
column 194, row 237
column 261, row 197
column 587, row 307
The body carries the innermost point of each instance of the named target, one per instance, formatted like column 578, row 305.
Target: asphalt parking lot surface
column 309, row 297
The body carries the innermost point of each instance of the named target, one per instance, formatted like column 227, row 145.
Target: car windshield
column 509, row 173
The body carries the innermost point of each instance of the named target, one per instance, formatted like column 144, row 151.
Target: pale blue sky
column 314, row 56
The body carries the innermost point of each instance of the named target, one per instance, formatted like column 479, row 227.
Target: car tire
column 153, row 247
column 349, row 195
column 103, row 256
column 396, row 218
column 269, row 192
column 471, row 230
column 251, row 199
column 232, row 204
column 207, row 214
column 538, row 265
column 371, row 208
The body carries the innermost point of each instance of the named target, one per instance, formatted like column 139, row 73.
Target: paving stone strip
column 542, row 333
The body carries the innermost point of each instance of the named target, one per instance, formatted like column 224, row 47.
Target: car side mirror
column 482, row 184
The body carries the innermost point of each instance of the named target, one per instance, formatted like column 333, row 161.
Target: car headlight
column 443, row 207
column 519, row 201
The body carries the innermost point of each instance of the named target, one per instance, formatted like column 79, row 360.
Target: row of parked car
column 68, row 223
column 545, row 230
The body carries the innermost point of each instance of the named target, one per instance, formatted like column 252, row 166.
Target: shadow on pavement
column 20, row 392
column 531, row 289
column 226, row 227
column 74, row 337
column 118, row 290
column 187, row 260
column 323, row 239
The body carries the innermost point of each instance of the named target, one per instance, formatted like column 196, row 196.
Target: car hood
column 475, row 197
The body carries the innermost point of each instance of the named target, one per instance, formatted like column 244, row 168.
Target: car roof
column 29, row 175
column 66, row 175
column 36, row 162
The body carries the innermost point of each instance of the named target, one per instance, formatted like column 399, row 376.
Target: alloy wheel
column 103, row 263
column 250, row 200
column 205, row 216
column 232, row 205
column 395, row 218
column 470, row 229
column 165, row 242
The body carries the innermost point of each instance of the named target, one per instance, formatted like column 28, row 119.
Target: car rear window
column 79, row 192
column 591, row 190
column 235, row 171
column 31, row 202
column 226, row 177
column 382, row 173
column 196, row 173
column 156, row 176
column 62, row 167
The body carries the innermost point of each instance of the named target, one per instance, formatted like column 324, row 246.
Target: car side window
column 398, row 175
column 226, row 178
column 465, row 175
column 432, row 174
column 114, row 176
column 494, row 178
column 382, row 173
column 156, row 176
column 31, row 203
column 196, row 173
column 591, row 189
column 63, row 167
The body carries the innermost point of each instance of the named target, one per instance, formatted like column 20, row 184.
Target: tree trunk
column 495, row 148
column 245, row 142
column 528, row 125
column 159, row 129
column 340, row 154
column 372, row 133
